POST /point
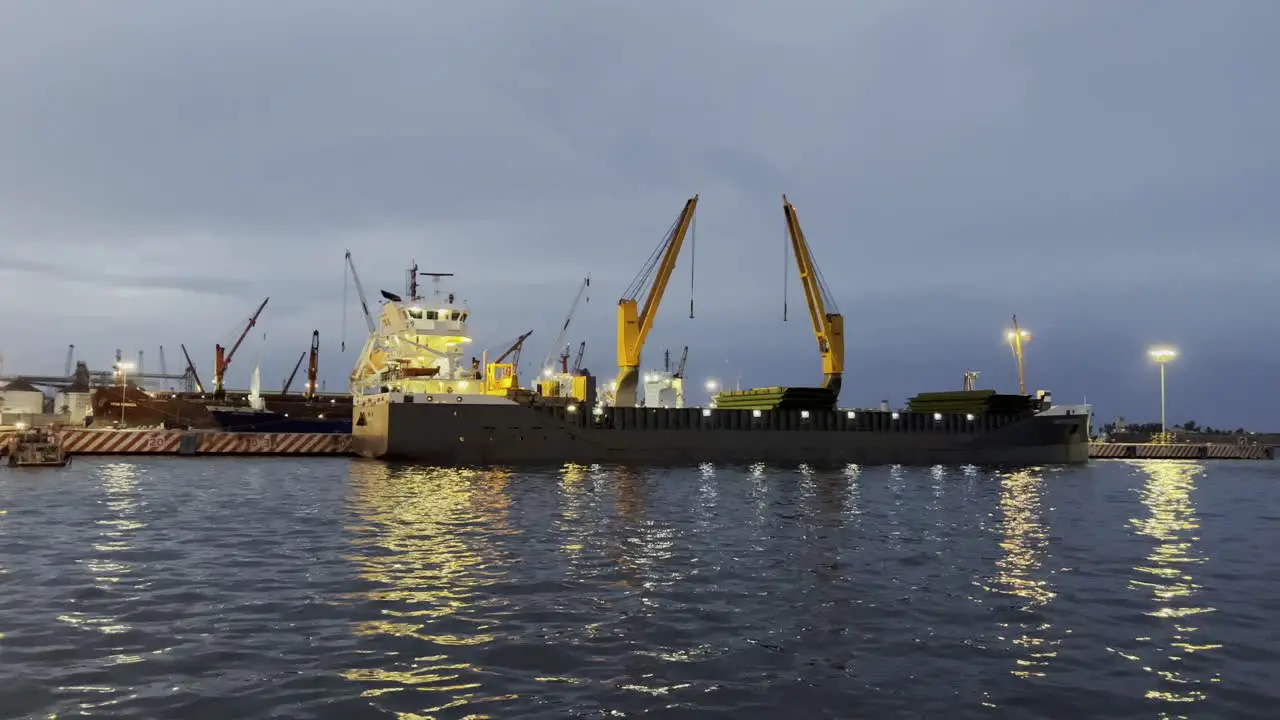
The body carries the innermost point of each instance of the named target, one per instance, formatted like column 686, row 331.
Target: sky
column 1106, row 171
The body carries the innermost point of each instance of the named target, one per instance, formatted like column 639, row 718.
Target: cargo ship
column 257, row 418
column 416, row 396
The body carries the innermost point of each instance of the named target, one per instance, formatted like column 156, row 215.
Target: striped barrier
column 273, row 444
column 1178, row 451
column 180, row 442
column 113, row 442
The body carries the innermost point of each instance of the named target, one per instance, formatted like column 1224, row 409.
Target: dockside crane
column 191, row 369
column 561, row 339
column 313, row 367
column 513, row 352
column 828, row 323
column 684, row 357
column 222, row 357
column 364, row 302
column 634, row 322
column 284, row 389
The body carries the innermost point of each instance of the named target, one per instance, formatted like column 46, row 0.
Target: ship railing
column 890, row 421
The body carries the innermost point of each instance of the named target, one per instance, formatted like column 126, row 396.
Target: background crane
column 564, row 331
column 828, row 323
column 191, row 369
column 634, row 322
column 221, row 362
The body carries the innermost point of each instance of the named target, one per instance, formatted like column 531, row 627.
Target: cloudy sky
column 1108, row 171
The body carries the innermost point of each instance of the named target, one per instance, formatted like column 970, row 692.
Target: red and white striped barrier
column 116, row 442
column 273, row 444
column 171, row 442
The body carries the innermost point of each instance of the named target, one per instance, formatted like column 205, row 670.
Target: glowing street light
column 121, row 369
column 1016, row 338
column 1162, row 354
column 712, row 386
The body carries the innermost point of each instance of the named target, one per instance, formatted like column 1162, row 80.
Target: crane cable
column 786, row 271
column 693, row 255
column 345, row 282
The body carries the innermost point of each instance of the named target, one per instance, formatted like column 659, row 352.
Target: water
column 331, row 588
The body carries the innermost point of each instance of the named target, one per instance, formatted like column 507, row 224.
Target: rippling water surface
column 342, row 589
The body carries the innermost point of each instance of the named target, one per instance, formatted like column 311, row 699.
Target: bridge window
column 416, row 314
column 432, row 315
column 454, row 315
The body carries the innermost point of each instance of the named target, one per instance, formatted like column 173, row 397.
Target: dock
column 187, row 442
column 1180, row 451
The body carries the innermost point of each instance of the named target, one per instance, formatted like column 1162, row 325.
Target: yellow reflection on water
column 573, row 480
column 115, row 532
column 1023, row 540
column 1172, row 523
column 427, row 545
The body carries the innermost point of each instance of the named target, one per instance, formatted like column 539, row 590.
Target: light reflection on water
column 1166, row 576
column 1023, row 541
column 429, row 572
column 116, row 528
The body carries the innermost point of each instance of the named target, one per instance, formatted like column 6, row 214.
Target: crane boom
column 828, row 323
column 564, row 329
column 289, row 380
column 577, row 360
column 635, row 323
column 191, row 368
column 684, row 357
column 364, row 303
column 313, row 366
column 514, row 351
column 221, row 362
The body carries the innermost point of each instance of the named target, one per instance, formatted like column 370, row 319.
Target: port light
column 21, row 426
column 571, row 408
column 1163, row 353
column 937, row 417
column 597, row 411
column 756, row 413
column 969, row 417
column 706, row 412
column 804, row 414
column 462, row 385
column 851, row 414
column 894, row 416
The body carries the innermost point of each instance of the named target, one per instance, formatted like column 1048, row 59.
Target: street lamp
column 712, row 386
column 1016, row 338
column 121, row 368
column 1162, row 355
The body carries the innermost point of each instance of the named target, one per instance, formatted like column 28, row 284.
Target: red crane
column 221, row 363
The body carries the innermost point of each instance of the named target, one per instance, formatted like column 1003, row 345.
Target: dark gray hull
column 469, row 435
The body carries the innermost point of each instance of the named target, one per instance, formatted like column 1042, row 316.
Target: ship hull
column 510, row 434
column 270, row 422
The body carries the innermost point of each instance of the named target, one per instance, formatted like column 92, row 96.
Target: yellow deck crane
column 634, row 323
column 828, row 323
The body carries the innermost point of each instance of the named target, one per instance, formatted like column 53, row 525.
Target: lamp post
column 1016, row 338
column 1162, row 355
column 712, row 386
column 122, row 368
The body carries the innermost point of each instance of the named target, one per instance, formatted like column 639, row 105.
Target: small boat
column 37, row 447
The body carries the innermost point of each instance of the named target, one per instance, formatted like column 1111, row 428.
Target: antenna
column 435, row 280
column 413, row 282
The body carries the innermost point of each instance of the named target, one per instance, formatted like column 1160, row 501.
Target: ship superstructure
column 417, row 349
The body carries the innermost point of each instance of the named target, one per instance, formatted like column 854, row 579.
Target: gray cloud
column 1105, row 171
